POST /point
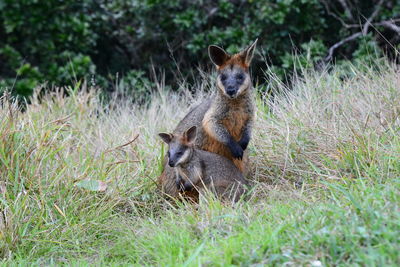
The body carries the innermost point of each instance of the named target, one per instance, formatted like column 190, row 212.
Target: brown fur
column 198, row 171
column 232, row 114
column 236, row 115
column 170, row 189
column 236, row 60
column 218, row 175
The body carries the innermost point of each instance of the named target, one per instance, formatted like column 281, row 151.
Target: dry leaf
column 92, row 185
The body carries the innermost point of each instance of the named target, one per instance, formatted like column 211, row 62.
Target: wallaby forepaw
column 243, row 144
column 187, row 186
column 179, row 185
column 237, row 151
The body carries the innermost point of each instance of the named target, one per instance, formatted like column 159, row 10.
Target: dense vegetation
column 77, row 179
column 115, row 43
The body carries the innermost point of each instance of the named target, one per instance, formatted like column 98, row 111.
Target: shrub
column 63, row 41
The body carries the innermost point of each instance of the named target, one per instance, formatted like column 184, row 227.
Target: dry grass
column 314, row 125
column 325, row 129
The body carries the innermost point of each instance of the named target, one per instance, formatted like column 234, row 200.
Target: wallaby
column 202, row 170
column 224, row 121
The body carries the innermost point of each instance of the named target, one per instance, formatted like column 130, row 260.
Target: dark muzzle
column 171, row 163
column 231, row 90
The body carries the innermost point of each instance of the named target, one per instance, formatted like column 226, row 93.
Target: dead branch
column 371, row 18
column 338, row 44
column 364, row 28
column 333, row 14
column 346, row 8
column 390, row 25
column 381, row 23
column 387, row 24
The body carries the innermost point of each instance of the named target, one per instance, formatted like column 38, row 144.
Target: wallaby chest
column 191, row 172
column 235, row 119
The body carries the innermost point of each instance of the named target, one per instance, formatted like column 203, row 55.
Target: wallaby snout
column 231, row 90
column 171, row 163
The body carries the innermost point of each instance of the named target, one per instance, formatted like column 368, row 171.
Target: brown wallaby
column 202, row 170
column 224, row 121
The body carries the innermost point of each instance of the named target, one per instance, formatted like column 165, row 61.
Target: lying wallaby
column 202, row 170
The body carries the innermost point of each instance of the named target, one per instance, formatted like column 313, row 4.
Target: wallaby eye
column 239, row 76
column 168, row 154
column 223, row 77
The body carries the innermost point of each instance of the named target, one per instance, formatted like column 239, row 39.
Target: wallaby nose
column 230, row 90
column 171, row 163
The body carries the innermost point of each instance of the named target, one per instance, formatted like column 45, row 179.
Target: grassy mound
column 77, row 179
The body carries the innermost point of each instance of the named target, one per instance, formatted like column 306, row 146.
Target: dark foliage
column 116, row 42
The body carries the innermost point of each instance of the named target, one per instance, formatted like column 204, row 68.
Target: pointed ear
column 190, row 134
column 217, row 55
column 248, row 53
column 166, row 137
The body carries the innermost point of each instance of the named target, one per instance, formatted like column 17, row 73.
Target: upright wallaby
column 201, row 169
column 224, row 121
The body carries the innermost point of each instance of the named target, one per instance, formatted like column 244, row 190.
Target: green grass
column 325, row 160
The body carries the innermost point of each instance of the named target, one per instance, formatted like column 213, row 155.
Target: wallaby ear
column 217, row 55
column 190, row 134
column 248, row 53
column 166, row 137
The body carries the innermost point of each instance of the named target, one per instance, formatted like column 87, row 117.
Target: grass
column 324, row 159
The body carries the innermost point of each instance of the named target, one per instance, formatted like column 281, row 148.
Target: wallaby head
column 233, row 70
column 180, row 148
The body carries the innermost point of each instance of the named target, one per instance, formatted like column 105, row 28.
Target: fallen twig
column 121, row 146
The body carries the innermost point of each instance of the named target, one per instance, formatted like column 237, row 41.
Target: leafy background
column 116, row 43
